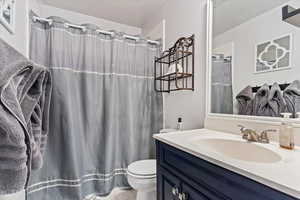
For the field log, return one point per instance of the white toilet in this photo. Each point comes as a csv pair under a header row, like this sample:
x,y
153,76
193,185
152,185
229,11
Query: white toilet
x,y
142,177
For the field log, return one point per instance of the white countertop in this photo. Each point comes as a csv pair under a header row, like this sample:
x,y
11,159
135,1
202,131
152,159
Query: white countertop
x,y
283,175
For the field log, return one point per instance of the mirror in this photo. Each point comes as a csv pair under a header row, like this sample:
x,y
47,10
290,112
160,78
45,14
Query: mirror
x,y
254,58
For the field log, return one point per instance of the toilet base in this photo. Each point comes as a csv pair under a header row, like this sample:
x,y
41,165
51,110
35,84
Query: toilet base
x,y
146,195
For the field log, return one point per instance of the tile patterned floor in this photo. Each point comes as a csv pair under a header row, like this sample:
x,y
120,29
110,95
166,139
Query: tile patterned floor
x,y
116,194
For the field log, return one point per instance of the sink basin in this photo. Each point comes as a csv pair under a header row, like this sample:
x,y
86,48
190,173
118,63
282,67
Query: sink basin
x,y
240,150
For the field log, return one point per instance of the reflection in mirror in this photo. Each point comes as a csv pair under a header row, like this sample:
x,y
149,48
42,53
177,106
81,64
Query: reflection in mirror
x,y
221,80
255,67
273,55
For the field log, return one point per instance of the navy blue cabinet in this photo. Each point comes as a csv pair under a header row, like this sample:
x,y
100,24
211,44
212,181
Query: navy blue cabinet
x,y
170,185
182,176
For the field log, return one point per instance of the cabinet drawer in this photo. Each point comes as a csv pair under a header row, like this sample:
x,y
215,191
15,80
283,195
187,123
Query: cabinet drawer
x,y
218,180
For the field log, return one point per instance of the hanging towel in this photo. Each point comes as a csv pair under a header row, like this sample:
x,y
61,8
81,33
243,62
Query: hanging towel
x,y
245,101
276,102
260,103
25,90
292,97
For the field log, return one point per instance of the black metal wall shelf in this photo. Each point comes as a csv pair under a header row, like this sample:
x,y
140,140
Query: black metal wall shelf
x,y
174,70
291,15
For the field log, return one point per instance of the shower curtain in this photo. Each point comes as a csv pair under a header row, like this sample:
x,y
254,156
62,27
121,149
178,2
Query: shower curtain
x,y
103,112
221,92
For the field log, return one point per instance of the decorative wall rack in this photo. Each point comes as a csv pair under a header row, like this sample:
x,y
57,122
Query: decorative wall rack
x,y
174,70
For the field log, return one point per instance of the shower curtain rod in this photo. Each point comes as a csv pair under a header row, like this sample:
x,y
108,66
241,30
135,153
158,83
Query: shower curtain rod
x,y
49,21
83,28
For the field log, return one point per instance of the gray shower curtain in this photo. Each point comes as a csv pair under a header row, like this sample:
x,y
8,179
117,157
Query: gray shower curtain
x,y
103,112
221,92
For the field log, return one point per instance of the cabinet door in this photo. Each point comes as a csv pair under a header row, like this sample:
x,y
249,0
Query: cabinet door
x,y
198,193
190,193
169,186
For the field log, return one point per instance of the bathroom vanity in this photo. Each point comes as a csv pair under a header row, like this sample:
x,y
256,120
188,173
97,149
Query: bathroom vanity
x,y
252,78
190,167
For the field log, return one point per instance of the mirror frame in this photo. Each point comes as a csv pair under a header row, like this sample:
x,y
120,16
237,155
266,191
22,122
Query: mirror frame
x,y
233,117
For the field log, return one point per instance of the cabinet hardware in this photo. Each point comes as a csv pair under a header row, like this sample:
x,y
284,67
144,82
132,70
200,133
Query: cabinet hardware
x,y
182,196
175,191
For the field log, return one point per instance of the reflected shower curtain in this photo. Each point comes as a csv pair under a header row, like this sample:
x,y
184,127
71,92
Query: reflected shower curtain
x,y
103,111
221,91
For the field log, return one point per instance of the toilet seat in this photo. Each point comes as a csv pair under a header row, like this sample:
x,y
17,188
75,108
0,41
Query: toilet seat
x,y
143,169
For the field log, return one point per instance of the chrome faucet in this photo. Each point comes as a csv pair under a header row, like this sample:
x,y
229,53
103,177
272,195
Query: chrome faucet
x,y
251,135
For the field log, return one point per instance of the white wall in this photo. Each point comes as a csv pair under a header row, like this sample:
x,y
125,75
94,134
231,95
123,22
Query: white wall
x,y
184,19
245,37
158,32
35,6
79,18
225,49
19,40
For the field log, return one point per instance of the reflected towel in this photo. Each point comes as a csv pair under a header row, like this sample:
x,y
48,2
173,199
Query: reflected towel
x,y
292,97
276,102
245,101
260,103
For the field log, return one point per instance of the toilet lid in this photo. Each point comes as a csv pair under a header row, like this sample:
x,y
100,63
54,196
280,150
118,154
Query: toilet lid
x,y
143,168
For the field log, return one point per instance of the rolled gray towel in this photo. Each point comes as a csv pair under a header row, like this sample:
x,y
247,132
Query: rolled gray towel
x,y
276,102
260,102
25,90
292,97
245,101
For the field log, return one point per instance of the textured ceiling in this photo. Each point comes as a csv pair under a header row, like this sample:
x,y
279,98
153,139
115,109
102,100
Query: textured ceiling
x,y
218,3
231,13
130,12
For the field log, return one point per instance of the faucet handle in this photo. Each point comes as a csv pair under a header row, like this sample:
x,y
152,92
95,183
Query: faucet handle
x,y
264,138
244,131
265,132
241,126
